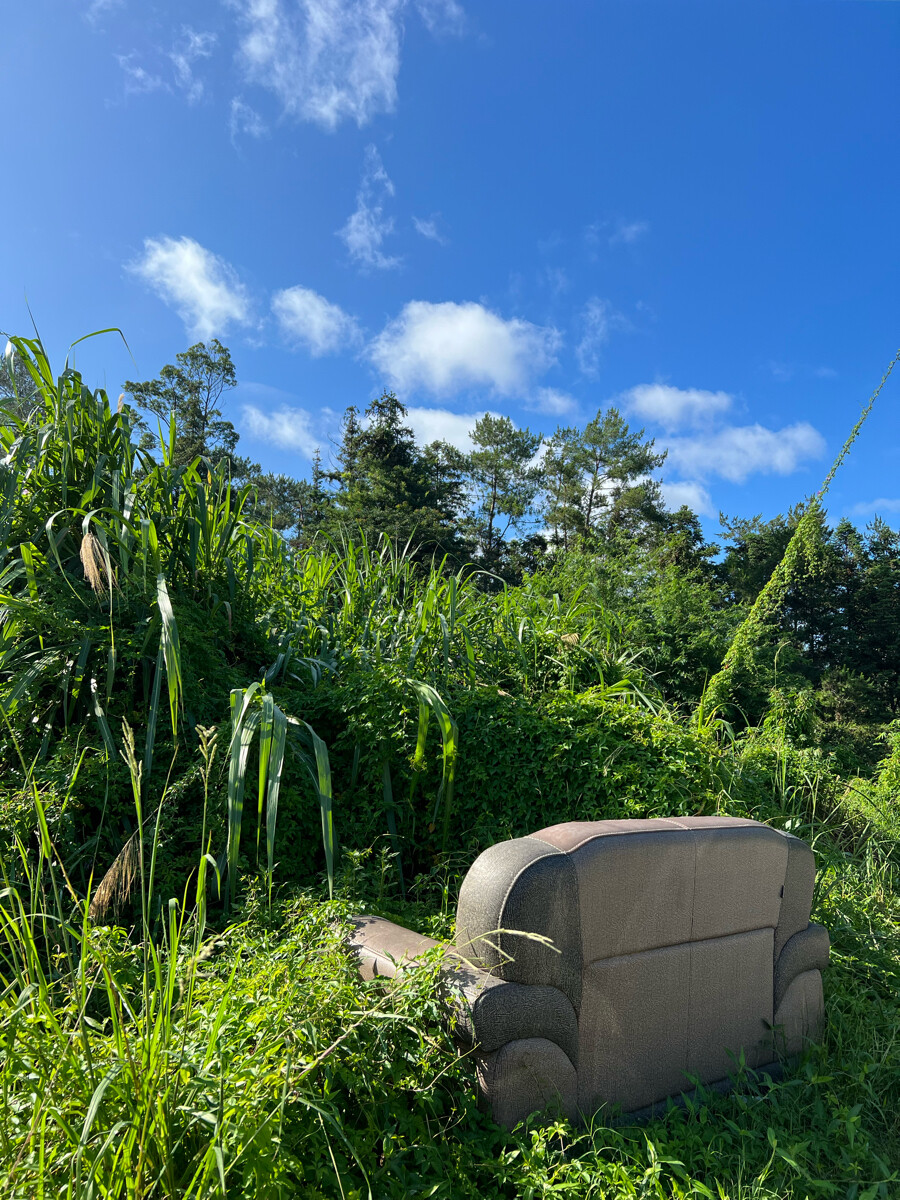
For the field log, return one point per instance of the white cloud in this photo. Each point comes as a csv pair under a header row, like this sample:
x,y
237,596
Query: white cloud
x,y
745,450
867,508
287,428
367,227
781,371
192,47
326,60
549,400
138,79
626,233
305,316
598,320
557,279
447,347
694,495
439,424
429,229
202,288
245,120
672,406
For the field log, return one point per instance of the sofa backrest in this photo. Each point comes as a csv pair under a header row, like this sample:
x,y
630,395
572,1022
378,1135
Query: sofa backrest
x,y
664,937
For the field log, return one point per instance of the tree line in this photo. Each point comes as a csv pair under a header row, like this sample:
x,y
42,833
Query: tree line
x,y
582,509
503,505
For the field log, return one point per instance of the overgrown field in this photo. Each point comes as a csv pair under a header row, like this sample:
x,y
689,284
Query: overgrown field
x,y
216,746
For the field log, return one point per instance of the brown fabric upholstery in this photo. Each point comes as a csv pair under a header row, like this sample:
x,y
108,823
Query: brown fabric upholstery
x,y
800,1015
528,1076
659,950
522,885
796,903
806,951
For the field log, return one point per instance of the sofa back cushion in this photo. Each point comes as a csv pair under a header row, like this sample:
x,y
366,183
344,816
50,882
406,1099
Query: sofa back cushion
x,y
647,884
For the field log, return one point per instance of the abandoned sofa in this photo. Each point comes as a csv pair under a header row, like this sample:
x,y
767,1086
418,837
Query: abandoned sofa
x,y
666,950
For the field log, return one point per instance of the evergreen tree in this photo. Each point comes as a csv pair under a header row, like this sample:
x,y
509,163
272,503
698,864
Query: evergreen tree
x,y
505,482
192,391
387,485
564,465
618,464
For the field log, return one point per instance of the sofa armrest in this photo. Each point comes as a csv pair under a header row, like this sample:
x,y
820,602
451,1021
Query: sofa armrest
x,y
805,951
383,947
489,1011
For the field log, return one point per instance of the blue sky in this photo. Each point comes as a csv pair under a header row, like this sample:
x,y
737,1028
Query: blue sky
x,y
686,209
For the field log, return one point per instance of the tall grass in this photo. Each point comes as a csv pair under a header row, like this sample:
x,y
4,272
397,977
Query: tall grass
x,y
98,536
130,1067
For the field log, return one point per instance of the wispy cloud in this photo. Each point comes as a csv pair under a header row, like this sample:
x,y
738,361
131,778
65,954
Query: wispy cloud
x,y
202,288
693,494
328,61
674,407
618,232
191,48
367,227
287,428
552,401
448,347
441,16
869,508
598,320
737,452
626,233
245,120
309,319
98,9
784,372
429,229
138,80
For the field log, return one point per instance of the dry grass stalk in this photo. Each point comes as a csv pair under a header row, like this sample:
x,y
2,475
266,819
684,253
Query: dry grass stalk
x,y
94,560
115,886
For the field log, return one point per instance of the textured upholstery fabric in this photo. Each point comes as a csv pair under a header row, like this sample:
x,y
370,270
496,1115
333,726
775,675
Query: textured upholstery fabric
x,y
644,884
491,1012
631,1005
525,1077
731,1004
799,1016
805,951
381,946
799,880
678,947
528,886
650,1020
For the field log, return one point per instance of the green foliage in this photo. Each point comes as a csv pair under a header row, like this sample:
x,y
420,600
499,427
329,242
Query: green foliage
x,y
798,558
416,710
105,554
504,480
188,395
